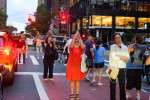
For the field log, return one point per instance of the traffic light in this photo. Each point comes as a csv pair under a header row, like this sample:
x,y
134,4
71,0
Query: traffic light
x,y
83,35
29,18
63,17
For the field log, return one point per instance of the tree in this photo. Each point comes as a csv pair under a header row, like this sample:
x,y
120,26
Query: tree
x,y
3,19
42,22
128,36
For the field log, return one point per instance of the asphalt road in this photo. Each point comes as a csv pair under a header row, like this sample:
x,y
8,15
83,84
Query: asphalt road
x,y
29,85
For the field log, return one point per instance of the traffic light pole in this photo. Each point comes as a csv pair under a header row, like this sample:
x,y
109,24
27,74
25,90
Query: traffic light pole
x,y
87,20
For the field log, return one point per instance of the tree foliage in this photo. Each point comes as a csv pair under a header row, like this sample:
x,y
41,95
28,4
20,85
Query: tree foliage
x,y
128,36
42,22
3,19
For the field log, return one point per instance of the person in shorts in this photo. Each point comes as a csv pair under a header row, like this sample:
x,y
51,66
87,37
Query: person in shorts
x,y
98,53
88,52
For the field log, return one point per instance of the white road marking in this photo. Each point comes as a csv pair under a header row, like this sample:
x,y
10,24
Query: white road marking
x,y
40,73
40,88
106,61
35,62
38,82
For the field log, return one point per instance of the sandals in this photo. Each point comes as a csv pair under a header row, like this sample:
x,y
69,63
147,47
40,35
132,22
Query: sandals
x,y
71,97
77,97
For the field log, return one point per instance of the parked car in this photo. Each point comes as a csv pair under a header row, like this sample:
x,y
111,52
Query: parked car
x,y
8,55
29,39
58,41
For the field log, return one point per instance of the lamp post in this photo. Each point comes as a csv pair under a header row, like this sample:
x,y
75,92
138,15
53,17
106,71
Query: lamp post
x,y
88,6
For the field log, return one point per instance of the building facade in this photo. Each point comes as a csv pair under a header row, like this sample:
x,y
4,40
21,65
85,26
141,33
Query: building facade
x,y
56,7
3,5
109,16
41,2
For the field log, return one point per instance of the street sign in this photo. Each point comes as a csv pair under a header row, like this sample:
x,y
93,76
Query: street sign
x,y
63,22
97,33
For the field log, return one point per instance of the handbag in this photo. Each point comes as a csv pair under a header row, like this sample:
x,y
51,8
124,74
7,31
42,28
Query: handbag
x,y
112,73
83,62
55,54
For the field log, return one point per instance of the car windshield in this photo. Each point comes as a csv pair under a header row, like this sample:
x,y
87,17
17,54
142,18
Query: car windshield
x,y
59,38
1,42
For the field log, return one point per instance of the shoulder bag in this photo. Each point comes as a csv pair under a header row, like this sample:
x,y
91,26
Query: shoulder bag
x,y
83,62
112,72
55,54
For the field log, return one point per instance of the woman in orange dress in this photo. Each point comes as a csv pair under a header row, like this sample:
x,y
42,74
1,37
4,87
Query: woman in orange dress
x,y
73,69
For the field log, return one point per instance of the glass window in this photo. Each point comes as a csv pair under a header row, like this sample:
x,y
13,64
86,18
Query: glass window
x,y
142,21
84,22
103,21
125,22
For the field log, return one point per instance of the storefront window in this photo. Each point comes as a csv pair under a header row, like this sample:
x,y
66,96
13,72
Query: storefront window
x,y
142,21
102,21
84,22
125,22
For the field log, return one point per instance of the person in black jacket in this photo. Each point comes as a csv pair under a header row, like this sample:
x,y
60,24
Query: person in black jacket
x,y
48,61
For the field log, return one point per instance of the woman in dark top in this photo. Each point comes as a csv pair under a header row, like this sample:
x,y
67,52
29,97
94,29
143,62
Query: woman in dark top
x,y
48,61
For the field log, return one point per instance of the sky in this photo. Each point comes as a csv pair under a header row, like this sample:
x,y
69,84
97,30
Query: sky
x,y
18,12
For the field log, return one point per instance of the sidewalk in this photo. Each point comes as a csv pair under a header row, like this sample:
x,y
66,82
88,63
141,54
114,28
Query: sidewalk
x,y
59,90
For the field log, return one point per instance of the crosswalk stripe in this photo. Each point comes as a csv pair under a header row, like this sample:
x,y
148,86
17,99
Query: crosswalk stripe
x,y
40,88
35,62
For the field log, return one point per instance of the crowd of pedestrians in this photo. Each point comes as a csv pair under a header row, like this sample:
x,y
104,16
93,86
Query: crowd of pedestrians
x,y
120,57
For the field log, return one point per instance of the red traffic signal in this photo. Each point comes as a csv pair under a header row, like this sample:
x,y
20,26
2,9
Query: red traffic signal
x,y
63,17
83,35
29,18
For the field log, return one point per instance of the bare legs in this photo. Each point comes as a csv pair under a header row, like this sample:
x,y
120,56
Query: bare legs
x,y
72,86
95,74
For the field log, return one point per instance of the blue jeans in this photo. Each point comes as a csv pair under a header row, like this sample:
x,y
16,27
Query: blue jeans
x,y
39,49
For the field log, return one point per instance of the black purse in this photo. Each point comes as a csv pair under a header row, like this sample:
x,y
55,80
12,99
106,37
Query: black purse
x,y
55,54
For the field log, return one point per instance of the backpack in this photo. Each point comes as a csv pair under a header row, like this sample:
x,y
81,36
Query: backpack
x,y
138,56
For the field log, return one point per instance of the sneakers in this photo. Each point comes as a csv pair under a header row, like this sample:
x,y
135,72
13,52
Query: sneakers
x,y
92,83
128,96
87,78
45,79
138,97
50,79
42,57
100,84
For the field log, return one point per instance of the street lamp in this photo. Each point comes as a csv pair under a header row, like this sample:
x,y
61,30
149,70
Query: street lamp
x,y
87,5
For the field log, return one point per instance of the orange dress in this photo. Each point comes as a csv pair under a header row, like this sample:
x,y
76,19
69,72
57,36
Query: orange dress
x,y
73,69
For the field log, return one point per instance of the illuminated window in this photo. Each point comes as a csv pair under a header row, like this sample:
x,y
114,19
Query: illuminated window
x,y
84,22
142,21
103,21
125,22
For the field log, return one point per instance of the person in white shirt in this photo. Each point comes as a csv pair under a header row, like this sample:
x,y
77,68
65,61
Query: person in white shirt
x,y
117,58
68,44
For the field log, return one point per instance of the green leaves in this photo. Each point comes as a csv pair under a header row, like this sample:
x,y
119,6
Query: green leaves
x,y
3,19
42,22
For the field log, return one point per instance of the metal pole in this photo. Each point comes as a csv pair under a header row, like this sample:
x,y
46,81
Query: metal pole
x,y
87,20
